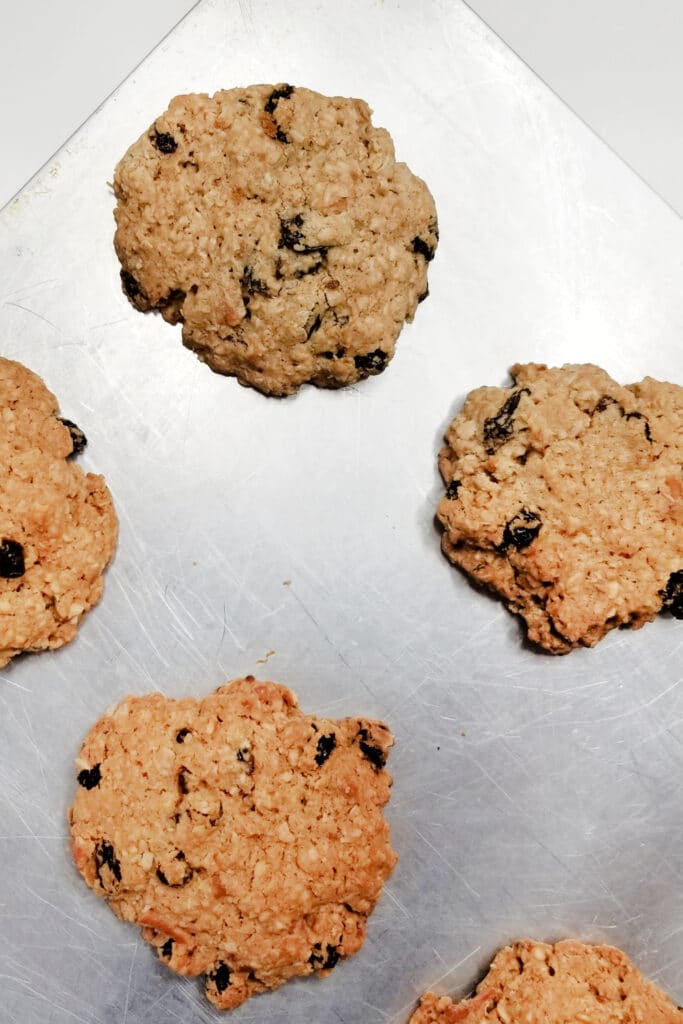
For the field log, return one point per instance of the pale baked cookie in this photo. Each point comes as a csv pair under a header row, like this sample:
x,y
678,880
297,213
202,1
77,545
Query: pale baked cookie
x,y
276,224
566,983
57,523
564,493
245,838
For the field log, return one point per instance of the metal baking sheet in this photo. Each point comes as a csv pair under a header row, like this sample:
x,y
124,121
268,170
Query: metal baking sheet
x,y
295,539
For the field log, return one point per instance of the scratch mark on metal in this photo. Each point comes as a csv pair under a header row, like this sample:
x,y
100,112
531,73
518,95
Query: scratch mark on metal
x,y
451,867
404,910
63,913
130,980
140,622
32,312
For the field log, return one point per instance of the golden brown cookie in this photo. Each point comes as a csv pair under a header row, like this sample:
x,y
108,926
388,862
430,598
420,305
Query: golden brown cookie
x,y
276,224
57,524
565,983
564,494
245,838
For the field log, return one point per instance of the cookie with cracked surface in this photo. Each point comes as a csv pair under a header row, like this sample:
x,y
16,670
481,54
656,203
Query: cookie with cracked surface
x,y
535,983
57,524
245,838
276,224
564,494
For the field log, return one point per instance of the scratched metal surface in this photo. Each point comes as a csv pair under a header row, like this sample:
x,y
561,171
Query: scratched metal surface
x,y
532,795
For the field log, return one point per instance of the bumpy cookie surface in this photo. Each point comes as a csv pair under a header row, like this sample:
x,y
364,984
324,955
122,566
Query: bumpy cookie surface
x,y
566,983
57,524
565,495
245,838
277,226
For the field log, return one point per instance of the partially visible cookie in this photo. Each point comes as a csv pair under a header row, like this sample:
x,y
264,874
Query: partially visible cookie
x,y
564,494
57,524
245,838
565,983
276,224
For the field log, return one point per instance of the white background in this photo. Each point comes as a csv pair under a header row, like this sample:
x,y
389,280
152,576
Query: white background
x,y
58,62
616,62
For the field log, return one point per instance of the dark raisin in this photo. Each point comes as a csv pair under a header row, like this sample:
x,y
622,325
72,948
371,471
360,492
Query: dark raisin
x,y
422,248
164,142
252,285
90,777
498,428
180,736
130,285
341,352
453,488
673,595
646,426
320,961
171,305
424,295
245,755
326,355
292,237
283,92
326,745
78,438
280,135
182,780
187,876
312,325
375,755
371,362
220,977
333,958
11,559
604,403
312,269
167,949
105,857
607,400
521,530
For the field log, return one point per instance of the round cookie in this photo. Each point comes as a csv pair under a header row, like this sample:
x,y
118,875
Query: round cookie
x,y
276,224
245,838
534,983
57,524
564,494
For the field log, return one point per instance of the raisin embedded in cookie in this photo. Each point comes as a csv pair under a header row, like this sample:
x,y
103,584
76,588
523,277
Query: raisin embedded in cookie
x,y
57,523
534,983
245,838
564,494
276,224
